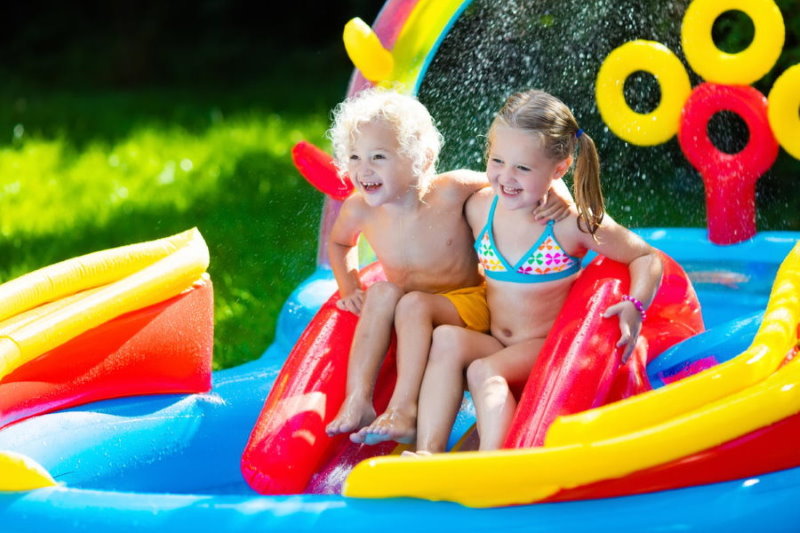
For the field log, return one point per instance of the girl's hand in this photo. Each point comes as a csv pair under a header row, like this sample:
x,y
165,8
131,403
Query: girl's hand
x,y
630,324
352,302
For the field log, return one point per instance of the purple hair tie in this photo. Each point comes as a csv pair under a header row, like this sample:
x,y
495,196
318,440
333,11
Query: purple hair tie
x,y
578,133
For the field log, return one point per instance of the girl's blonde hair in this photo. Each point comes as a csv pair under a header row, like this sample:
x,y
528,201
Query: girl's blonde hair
x,y
417,135
545,116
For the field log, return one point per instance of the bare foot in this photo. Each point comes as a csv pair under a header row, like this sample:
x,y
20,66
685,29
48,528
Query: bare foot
x,y
418,453
354,414
393,424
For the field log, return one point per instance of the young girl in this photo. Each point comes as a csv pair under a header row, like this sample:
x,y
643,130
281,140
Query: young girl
x,y
529,268
413,218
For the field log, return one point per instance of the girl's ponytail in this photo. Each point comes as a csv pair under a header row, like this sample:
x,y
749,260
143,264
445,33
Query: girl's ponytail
x,y
586,186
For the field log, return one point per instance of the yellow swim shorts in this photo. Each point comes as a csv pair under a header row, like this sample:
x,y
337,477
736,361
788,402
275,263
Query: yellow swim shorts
x,y
471,305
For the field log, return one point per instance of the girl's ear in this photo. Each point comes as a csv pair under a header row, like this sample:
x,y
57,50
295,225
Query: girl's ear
x,y
562,167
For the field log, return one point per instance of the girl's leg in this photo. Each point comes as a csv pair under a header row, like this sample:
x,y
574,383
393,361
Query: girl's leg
x,y
488,380
370,342
452,350
416,315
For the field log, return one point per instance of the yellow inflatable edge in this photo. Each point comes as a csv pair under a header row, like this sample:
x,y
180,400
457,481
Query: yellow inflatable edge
x,y
21,473
509,477
84,272
166,268
774,338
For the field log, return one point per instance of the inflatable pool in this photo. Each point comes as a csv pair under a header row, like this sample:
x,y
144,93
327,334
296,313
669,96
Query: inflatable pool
x,y
87,446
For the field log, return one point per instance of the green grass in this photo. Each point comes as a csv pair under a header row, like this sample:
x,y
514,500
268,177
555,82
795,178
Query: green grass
x,y
84,170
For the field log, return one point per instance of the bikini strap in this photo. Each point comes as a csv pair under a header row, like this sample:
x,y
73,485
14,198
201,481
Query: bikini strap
x,y
491,209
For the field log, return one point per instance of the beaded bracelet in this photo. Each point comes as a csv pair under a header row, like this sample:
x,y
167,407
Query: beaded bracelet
x,y
637,304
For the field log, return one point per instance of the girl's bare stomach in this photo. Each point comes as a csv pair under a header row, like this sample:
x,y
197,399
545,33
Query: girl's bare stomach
x,y
521,312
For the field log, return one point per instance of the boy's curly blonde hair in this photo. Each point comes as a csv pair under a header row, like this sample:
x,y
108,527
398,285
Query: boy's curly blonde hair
x,y
418,137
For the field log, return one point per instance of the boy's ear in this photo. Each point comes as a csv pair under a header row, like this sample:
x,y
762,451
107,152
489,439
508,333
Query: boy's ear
x,y
428,159
562,168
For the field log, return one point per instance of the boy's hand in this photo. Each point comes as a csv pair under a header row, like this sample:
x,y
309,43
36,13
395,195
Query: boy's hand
x,y
352,302
630,324
556,205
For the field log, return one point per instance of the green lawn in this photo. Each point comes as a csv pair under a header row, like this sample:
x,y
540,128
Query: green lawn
x,y
88,169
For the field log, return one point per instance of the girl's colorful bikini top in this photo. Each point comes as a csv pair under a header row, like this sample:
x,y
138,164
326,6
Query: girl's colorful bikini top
x,y
545,261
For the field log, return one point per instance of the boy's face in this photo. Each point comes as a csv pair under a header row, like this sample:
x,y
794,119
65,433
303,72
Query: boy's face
x,y
376,166
519,170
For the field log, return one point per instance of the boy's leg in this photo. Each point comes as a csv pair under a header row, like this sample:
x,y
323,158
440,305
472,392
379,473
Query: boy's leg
x,y
489,379
452,351
416,315
370,342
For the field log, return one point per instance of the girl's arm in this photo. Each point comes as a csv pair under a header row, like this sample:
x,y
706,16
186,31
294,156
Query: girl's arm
x,y
343,256
620,244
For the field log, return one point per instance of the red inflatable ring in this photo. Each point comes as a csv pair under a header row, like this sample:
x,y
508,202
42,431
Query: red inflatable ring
x,y
729,178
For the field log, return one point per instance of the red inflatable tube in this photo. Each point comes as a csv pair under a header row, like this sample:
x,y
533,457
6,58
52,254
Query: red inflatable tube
x,y
729,178
288,444
164,348
579,367
765,450
318,168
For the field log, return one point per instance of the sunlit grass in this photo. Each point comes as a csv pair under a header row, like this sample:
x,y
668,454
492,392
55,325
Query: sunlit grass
x,y
64,195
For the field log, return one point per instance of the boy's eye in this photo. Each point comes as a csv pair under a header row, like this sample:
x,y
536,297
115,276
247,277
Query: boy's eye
x,y
523,168
353,157
379,156
496,161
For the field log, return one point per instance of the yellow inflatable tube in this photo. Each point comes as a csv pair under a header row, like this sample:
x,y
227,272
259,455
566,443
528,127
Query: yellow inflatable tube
x,y
366,51
775,337
508,477
129,278
20,473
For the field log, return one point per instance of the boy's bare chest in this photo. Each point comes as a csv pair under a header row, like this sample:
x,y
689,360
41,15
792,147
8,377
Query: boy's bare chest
x,y
421,240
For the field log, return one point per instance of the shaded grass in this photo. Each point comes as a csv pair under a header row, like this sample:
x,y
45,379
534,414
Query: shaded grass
x,y
69,188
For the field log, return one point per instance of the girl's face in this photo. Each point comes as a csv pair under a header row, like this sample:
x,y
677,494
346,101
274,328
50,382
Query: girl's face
x,y
518,168
376,166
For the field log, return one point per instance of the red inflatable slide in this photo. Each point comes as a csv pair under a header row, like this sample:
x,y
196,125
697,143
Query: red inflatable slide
x,y
289,453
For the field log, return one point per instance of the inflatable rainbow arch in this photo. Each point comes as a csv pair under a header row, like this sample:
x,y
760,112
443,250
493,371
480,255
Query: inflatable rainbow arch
x,y
111,419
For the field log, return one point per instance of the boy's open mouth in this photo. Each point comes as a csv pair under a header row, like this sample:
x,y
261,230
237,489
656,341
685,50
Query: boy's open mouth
x,y
510,191
371,186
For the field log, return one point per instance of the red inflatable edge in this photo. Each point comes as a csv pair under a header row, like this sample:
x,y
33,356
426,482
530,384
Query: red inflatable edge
x,y
163,348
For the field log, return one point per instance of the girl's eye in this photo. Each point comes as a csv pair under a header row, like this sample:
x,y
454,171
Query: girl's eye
x,y
523,168
353,157
496,161
379,156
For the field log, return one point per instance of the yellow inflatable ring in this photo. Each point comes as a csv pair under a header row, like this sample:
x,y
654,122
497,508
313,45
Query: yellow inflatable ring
x,y
782,110
645,129
742,68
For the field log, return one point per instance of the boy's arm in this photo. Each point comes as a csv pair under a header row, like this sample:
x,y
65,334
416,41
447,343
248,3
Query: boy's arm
x,y
343,257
